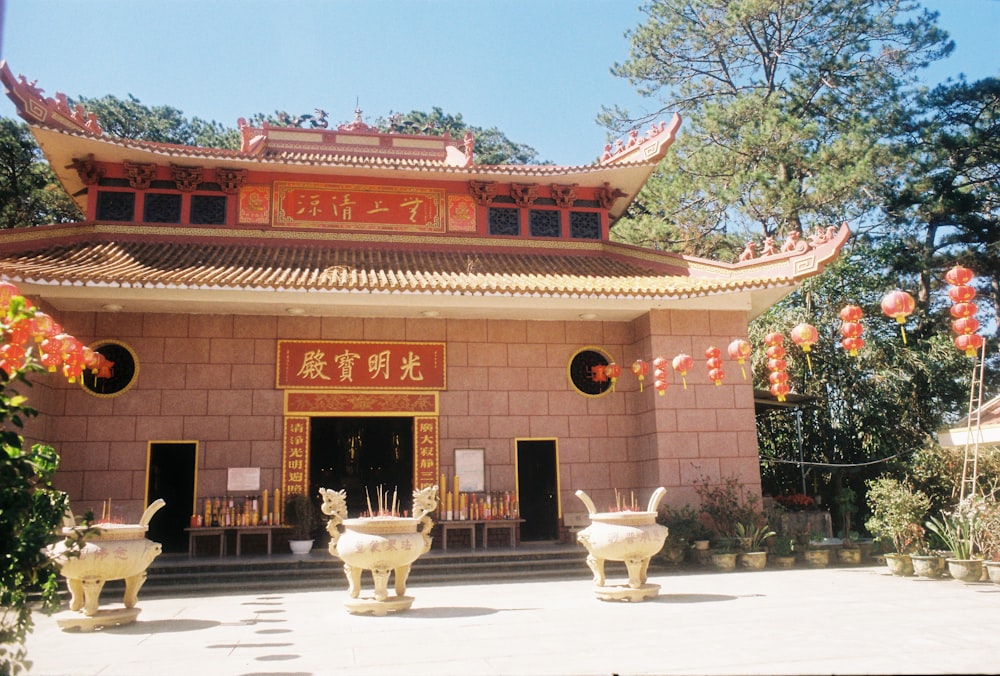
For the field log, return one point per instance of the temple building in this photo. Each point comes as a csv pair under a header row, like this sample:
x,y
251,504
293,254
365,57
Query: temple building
x,y
342,307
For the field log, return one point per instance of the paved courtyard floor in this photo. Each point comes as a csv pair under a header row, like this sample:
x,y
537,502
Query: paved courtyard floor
x,y
802,621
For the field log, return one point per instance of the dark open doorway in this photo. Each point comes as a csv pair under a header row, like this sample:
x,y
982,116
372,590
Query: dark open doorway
x,y
171,477
537,488
362,453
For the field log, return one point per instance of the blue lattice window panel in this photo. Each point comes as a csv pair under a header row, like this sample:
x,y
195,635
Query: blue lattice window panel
x,y
584,225
115,206
208,210
162,208
505,221
544,223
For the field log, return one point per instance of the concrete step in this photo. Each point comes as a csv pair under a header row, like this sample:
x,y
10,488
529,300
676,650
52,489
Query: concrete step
x,y
178,575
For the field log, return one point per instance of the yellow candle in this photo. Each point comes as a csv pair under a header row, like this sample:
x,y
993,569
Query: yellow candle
x,y
277,506
263,505
457,491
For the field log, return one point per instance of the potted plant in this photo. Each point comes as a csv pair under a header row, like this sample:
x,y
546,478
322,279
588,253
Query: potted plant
x,y
752,539
781,551
815,555
683,529
849,551
300,514
724,553
989,520
896,512
958,531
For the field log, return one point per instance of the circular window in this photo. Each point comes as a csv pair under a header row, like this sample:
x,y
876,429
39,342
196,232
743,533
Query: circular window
x,y
118,377
582,375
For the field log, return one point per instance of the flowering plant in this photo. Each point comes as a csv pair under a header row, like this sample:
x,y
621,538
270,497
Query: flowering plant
x,y
797,502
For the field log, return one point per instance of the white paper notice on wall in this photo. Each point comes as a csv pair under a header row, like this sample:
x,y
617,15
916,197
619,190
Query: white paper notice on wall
x,y
243,479
470,470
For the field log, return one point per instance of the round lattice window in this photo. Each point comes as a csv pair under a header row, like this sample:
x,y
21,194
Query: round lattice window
x,y
116,379
582,374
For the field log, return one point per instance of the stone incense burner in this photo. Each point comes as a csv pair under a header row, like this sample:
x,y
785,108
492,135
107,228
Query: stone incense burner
x,y
115,551
381,544
628,536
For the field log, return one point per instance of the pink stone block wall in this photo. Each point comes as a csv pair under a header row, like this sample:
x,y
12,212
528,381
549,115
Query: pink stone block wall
x,y
211,379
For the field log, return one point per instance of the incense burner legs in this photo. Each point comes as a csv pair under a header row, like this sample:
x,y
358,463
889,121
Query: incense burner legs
x,y
385,545
630,537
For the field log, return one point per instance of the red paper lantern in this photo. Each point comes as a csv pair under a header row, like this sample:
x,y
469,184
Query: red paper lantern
x,y
805,336
661,364
963,310
777,377
852,344
775,352
959,276
776,364
682,363
599,373
713,362
965,325
780,390
774,338
899,305
961,294
639,370
969,343
613,371
661,386
851,313
740,350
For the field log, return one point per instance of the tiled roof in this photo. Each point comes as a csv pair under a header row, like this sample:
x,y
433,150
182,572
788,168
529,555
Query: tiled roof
x,y
363,269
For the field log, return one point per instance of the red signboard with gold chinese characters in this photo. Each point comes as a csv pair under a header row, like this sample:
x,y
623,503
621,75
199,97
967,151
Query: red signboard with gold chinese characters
x,y
366,207
308,364
425,449
295,457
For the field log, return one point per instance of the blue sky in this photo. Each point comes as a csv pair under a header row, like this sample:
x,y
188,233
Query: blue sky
x,y
536,69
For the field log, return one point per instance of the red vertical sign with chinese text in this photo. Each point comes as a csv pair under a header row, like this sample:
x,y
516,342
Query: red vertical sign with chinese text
x,y
295,458
425,469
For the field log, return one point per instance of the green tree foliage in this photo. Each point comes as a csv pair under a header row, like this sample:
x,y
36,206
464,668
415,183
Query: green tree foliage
x,y
492,146
784,105
945,209
29,192
30,508
868,414
131,119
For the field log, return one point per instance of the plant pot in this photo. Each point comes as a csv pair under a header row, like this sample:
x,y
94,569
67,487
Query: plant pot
x,y
965,570
782,561
753,560
931,566
899,564
701,545
300,547
992,571
816,558
849,555
724,560
673,553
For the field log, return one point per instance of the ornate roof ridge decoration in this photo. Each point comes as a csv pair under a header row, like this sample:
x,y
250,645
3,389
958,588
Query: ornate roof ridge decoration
x,y
140,174
87,169
483,192
564,195
524,194
187,178
230,180
34,108
642,149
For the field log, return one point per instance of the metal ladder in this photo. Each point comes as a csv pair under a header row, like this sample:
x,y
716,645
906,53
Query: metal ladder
x,y
974,432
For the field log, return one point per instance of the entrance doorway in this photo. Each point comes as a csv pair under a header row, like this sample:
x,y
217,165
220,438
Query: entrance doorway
x,y
171,477
359,454
538,488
